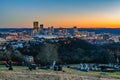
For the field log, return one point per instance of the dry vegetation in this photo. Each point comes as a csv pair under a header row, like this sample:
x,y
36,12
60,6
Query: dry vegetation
x,y
22,73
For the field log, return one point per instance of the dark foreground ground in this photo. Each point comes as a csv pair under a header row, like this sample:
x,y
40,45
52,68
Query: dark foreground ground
x,y
22,73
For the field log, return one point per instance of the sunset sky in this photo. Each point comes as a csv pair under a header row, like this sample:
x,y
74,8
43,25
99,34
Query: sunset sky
x,y
60,13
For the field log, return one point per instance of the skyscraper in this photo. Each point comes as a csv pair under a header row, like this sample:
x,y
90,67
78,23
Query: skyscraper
x,y
41,26
52,29
76,32
35,27
75,29
41,29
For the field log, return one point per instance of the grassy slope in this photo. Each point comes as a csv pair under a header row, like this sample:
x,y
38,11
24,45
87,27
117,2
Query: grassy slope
x,y
22,73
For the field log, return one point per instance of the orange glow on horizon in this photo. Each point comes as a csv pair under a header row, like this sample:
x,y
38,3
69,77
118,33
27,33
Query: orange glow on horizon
x,y
69,22
83,25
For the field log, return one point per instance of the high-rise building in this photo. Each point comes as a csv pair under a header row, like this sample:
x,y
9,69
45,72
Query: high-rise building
x,y
75,29
41,29
76,32
48,30
52,29
41,26
35,27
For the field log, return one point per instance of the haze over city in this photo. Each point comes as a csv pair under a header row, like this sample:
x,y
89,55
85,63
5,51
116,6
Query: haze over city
x,y
60,13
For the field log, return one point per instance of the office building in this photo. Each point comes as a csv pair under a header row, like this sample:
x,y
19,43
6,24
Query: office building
x,y
35,27
41,29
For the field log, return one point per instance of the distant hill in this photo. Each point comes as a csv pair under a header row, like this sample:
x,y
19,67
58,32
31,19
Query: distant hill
x,y
102,30
96,30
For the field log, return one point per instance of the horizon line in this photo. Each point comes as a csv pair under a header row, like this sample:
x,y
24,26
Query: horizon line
x,y
64,27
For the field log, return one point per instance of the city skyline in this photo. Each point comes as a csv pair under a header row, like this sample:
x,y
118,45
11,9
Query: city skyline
x,y
60,13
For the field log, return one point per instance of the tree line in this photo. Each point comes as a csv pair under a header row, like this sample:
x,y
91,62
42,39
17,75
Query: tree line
x,y
69,51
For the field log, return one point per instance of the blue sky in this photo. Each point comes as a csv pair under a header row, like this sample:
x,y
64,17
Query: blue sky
x,y
21,13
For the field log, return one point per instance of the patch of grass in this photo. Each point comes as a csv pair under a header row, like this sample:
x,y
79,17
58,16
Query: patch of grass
x,y
114,74
23,73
